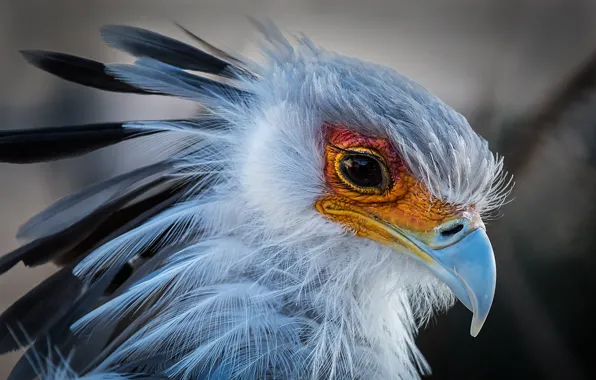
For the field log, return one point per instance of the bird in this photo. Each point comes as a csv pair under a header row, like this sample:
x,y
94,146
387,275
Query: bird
x,y
313,214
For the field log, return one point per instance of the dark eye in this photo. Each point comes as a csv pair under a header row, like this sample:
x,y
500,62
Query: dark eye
x,y
363,170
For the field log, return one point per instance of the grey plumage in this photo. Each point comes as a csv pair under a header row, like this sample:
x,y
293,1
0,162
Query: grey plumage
x,y
60,214
78,70
21,323
145,43
49,247
216,264
46,144
161,78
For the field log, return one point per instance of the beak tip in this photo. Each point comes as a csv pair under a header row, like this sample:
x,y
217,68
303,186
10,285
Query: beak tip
x,y
476,326
474,331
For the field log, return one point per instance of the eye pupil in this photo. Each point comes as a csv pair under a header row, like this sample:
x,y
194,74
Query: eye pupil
x,y
362,170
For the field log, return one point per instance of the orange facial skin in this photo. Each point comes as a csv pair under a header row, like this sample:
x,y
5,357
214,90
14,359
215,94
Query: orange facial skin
x,y
404,202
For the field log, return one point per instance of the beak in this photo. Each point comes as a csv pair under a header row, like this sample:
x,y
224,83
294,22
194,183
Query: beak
x,y
457,252
463,260
468,268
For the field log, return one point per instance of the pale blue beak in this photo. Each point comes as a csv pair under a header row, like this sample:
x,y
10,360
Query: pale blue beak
x,y
468,268
458,252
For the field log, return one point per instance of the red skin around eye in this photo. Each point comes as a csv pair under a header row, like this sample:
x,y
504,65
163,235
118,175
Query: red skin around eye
x,y
406,202
344,138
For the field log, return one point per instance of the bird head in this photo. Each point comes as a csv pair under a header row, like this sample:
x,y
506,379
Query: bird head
x,y
355,153
373,194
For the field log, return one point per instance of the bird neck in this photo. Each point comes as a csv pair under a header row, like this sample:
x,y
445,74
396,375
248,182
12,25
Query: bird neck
x,y
347,288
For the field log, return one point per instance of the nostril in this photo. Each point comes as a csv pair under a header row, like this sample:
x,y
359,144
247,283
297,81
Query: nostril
x,y
453,230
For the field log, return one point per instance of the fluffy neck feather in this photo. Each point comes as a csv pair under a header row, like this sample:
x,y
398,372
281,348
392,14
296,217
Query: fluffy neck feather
x,y
311,302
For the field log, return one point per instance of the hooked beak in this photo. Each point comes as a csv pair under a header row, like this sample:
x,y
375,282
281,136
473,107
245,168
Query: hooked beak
x,y
468,268
457,252
465,263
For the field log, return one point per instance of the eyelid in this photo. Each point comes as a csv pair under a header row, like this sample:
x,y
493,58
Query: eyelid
x,y
369,152
362,150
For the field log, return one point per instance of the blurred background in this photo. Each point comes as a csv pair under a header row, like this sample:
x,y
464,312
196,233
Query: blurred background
x,y
523,72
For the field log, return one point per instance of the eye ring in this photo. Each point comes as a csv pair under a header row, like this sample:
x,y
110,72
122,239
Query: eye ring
x,y
363,170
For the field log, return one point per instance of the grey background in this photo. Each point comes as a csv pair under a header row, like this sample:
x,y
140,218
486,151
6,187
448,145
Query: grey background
x,y
496,61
